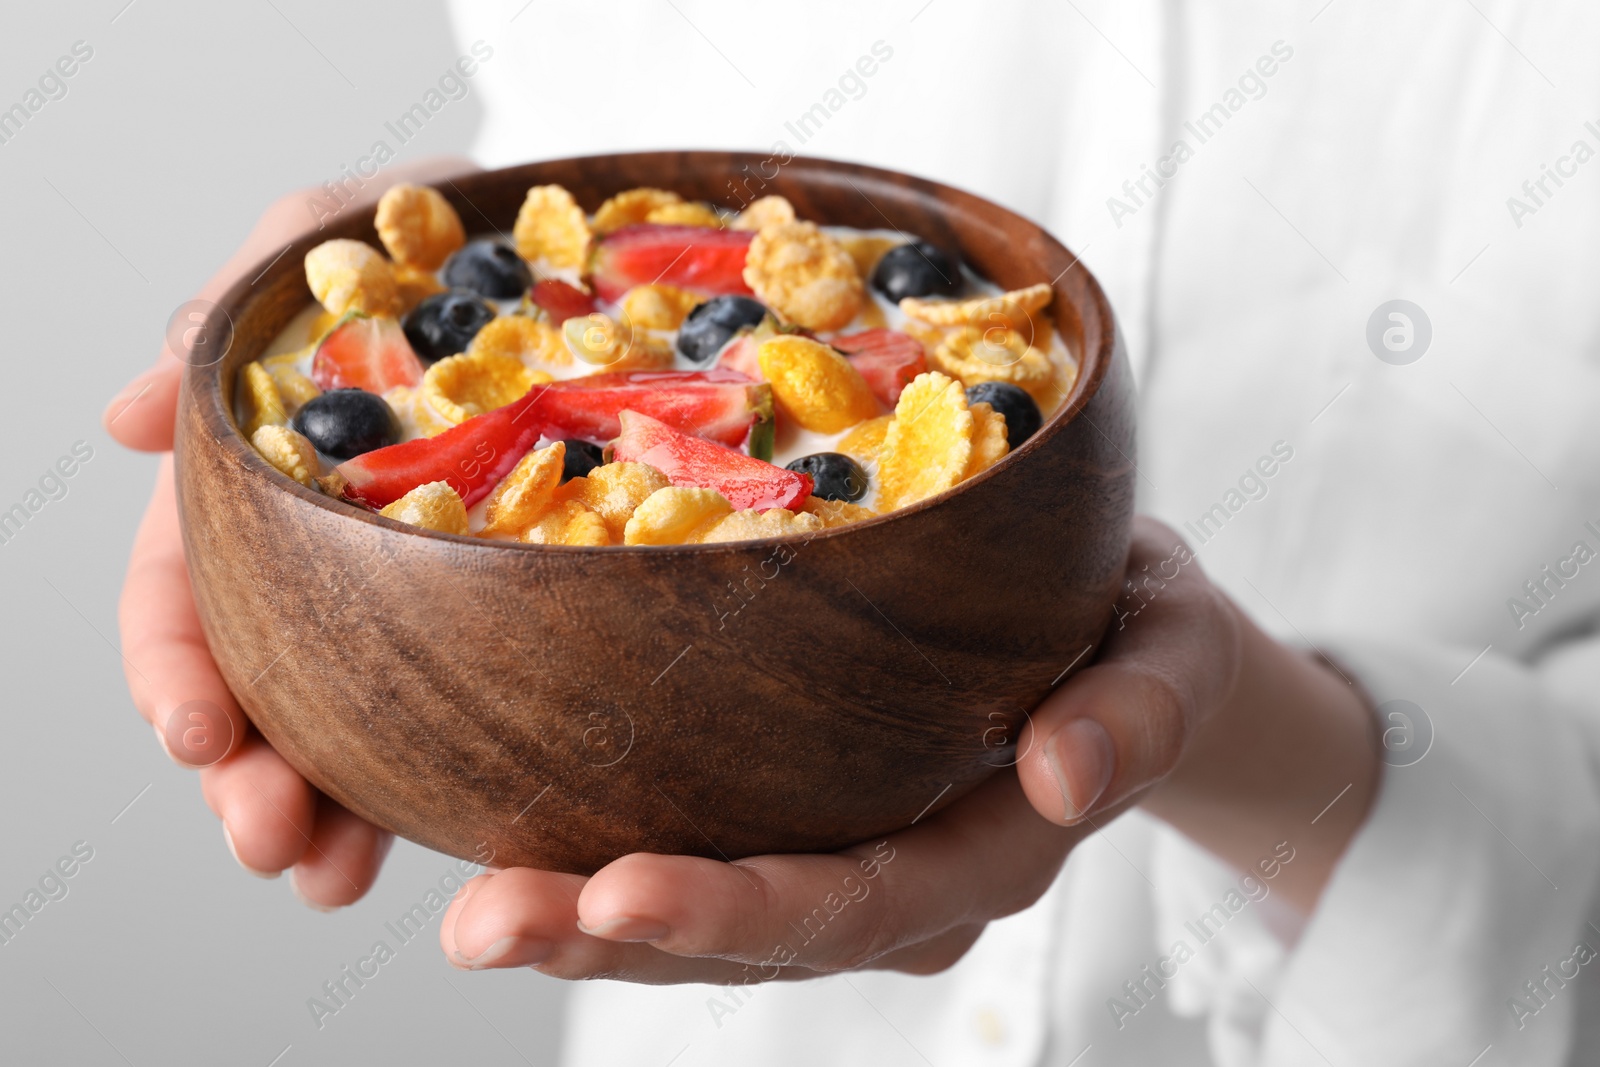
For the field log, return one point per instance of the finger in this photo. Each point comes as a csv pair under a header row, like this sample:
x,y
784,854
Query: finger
x,y
934,955
268,811
1120,725
170,672
142,414
341,860
985,856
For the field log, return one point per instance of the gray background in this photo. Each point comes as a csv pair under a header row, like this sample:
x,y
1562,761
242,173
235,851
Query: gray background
x,y
118,201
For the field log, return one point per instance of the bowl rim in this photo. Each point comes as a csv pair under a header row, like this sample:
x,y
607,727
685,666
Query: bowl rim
x,y
203,382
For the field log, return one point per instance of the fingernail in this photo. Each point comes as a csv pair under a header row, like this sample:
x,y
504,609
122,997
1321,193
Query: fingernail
x,y
227,835
507,952
294,884
1081,757
627,928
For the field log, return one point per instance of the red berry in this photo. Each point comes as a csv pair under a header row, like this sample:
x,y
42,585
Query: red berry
x,y
694,462
365,353
716,404
690,257
561,301
887,359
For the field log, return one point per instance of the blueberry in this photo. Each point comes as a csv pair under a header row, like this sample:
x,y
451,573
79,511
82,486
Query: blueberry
x,y
489,267
445,323
1012,404
582,457
345,423
837,476
712,324
916,269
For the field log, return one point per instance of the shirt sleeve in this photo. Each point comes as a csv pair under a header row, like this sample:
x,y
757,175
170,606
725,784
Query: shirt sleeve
x,y
1462,909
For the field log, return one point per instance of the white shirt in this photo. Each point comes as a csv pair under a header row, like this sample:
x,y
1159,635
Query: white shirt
x,y
1377,162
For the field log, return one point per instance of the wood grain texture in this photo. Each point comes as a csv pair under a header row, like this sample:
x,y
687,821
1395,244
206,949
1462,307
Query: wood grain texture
x,y
558,707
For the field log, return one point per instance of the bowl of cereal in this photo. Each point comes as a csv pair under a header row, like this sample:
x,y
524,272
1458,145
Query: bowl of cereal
x,y
687,502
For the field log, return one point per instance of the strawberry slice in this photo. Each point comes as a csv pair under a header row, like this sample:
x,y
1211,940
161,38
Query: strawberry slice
x,y
472,457
740,356
887,359
365,353
690,257
561,301
716,404
695,462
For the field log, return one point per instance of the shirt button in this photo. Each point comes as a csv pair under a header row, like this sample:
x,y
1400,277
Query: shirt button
x,y
990,1026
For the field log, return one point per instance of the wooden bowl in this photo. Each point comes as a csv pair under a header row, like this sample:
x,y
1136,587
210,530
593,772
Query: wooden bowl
x,y
558,707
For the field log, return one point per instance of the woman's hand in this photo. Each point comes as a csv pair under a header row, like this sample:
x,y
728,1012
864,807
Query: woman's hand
x,y
272,819
1181,676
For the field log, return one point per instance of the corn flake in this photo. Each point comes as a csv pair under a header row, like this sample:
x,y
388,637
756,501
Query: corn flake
x,y
460,387
817,386
567,522
836,512
929,443
865,441
761,525
527,340
415,285
764,212
630,207
347,275
434,506
686,214
295,388
659,307
258,401
972,355
804,275
612,346
866,249
675,516
288,451
614,490
552,227
525,493
989,439
418,226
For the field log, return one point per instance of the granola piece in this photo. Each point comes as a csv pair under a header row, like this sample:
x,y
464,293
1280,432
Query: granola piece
x,y
257,400
989,438
552,227
567,522
418,226
815,385
762,525
460,387
614,490
675,516
763,212
531,341
525,493
929,443
659,307
686,213
434,506
836,512
288,451
347,275
805,276
630,207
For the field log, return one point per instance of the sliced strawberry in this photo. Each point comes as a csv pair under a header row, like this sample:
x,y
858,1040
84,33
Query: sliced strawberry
x,y
887,359
365,353
561,301
717,404
472,457
690,257
697,463
740,356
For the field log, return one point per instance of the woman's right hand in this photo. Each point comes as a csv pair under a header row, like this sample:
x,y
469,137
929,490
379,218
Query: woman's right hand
x,y
272,819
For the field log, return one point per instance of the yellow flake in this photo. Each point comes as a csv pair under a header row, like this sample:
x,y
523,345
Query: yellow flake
x,y
870,317
762,525
415,285
632,206
551,227
530,341
815,385
567,522
418,226
805,276
836,512
614,490
764,212
462,386
348,275
295,388
320,326
609,345
258,403
685,214
659,307
288,451
415,413
989,439
972,355
524,493
434,506
866,249
865,442
1013,310
929,443
675,516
